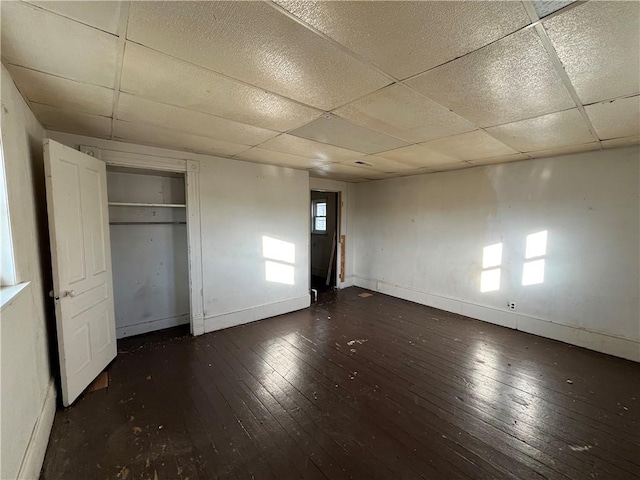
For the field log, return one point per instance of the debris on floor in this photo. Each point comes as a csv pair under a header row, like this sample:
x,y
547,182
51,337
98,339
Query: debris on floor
x,y
101,381
365,295
359,341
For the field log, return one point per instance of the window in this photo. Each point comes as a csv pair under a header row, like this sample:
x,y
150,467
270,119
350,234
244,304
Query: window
x,y
319,216
7,265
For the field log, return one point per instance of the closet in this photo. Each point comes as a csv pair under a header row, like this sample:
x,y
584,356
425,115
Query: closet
x,y
147,217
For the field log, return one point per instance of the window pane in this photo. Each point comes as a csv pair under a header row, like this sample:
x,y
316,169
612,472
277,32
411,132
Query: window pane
x,y
321,224
321,209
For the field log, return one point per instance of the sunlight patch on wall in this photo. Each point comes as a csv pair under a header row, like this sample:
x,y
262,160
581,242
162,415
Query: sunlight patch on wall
x,y
278,250
279,272
536,245
533,272
536,249
490,277
281,256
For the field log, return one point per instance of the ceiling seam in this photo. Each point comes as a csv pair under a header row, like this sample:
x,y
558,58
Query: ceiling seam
x,y
237,80
81,82
38,7
557,63
395,81
335,43
122,40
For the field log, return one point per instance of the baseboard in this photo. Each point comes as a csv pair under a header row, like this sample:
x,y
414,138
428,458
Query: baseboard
x,y
152,326
37,446
599,342
259,312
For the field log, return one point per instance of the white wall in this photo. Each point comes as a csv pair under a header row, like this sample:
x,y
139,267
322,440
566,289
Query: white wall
x,y
28,398
240,203
422,238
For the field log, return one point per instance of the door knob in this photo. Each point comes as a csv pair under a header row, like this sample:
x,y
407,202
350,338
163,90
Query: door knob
x,y
70,293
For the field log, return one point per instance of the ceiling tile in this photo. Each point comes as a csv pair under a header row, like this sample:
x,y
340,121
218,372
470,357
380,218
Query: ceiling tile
x,y
336,176
160,77
509,80
271,157
162,137
618,118
501,159
599,46
556,152
348,170
72,122
470,146
43,88
380,164
102,15
406,38
446,167
555,130
308,148
57,45
399,111
621,142
419,156
139,110
342,133
253,42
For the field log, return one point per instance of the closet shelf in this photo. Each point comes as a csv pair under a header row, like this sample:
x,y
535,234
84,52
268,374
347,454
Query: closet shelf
x,y
129,204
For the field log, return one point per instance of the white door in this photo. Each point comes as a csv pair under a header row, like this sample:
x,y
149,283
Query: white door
x,y
81,259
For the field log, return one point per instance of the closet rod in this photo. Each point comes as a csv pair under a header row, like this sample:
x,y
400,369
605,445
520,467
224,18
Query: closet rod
x,y
147,223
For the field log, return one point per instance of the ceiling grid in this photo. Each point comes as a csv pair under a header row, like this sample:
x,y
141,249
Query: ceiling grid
x,y
345,90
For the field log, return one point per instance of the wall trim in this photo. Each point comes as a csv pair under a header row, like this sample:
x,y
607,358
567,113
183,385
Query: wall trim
x,y
259,312
599,342
191,169
151,326
37,446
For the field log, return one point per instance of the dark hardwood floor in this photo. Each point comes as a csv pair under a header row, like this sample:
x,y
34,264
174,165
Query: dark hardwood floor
x,y
363,388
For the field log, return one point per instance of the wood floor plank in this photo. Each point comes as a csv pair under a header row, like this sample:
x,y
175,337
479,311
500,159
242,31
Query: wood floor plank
x,y
354,388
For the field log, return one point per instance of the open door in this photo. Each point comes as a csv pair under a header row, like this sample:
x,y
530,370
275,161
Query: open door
x,y
81,259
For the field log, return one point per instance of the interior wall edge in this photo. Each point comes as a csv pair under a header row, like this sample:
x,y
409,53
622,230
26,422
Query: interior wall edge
x,y
599,342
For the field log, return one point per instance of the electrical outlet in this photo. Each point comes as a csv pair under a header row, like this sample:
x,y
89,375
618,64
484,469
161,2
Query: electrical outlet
x,y
511,305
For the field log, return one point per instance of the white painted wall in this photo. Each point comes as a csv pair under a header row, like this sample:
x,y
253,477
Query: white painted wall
x,y
240,203
150,262
422,238
28,398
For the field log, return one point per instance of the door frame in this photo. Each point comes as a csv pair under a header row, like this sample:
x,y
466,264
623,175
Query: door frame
x,y
343,280
191,170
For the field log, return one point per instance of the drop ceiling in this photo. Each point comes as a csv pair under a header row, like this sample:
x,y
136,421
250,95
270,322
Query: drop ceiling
x,y
352,91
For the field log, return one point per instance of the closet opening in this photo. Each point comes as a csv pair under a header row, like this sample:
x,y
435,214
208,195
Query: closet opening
x,y
149,250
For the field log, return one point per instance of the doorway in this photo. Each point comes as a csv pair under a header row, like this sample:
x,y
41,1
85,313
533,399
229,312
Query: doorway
x,y
324,240
149,249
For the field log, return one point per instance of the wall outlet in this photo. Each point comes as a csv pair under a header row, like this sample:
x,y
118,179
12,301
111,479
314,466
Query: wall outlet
x,y
511,305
